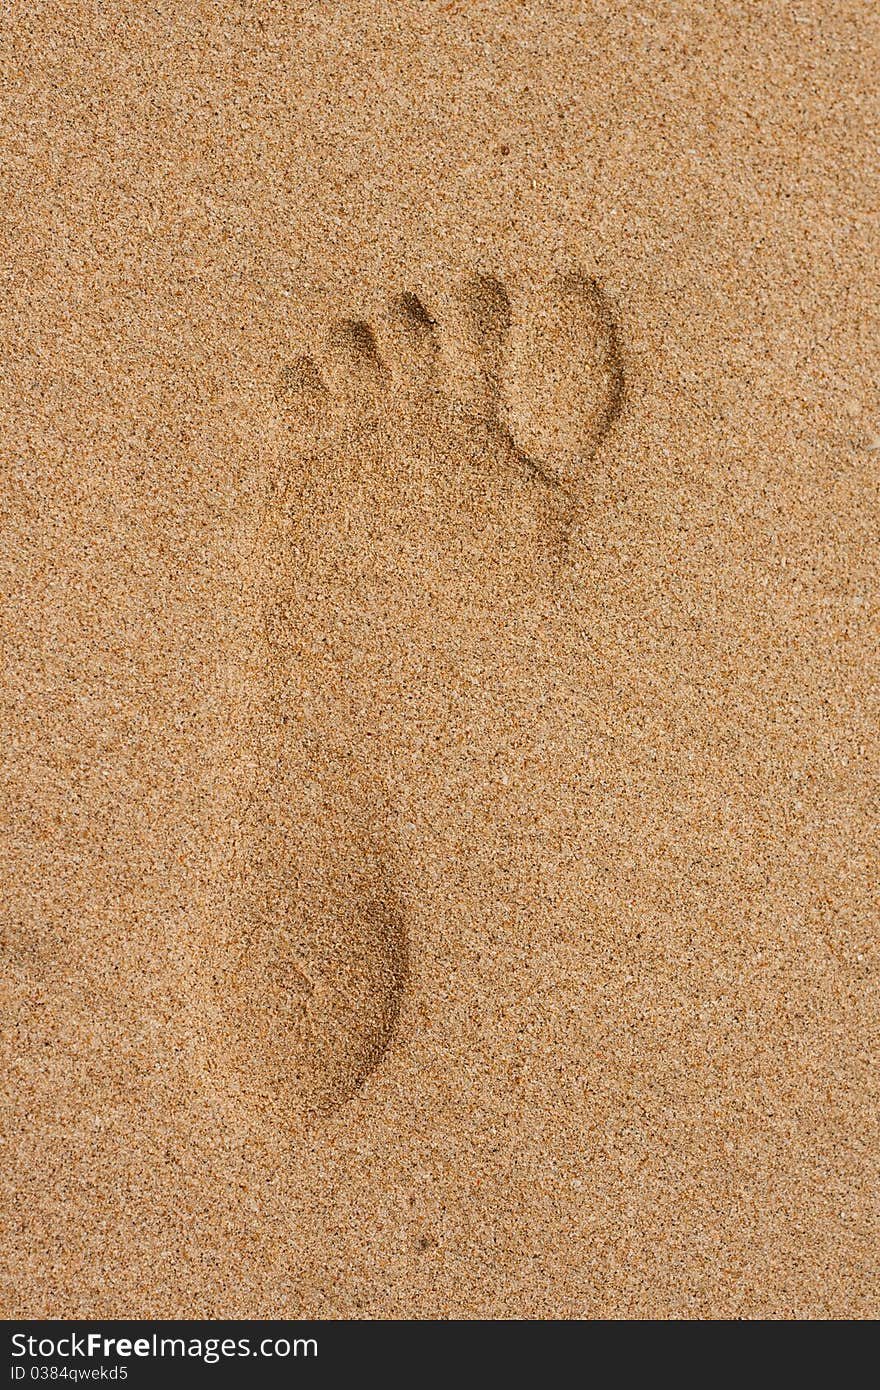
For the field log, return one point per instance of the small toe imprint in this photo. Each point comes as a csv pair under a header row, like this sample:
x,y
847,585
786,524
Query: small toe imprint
x,y
409,342
477,331
352,362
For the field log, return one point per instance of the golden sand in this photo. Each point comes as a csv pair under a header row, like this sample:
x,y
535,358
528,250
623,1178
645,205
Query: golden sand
x,y
440,516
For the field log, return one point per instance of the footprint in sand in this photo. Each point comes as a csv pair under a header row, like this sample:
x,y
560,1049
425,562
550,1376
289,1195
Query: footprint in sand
x,y
473,427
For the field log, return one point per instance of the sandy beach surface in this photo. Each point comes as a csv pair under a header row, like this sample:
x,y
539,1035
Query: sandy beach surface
x,y
440,697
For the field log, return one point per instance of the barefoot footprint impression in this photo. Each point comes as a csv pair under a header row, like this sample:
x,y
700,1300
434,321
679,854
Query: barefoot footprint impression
x,y
473,432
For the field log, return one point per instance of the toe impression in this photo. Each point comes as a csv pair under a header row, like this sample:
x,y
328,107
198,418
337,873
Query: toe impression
x,y
563,377
408,341
352,364
477,331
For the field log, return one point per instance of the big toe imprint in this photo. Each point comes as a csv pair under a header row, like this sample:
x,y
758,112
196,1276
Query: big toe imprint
x,y
563,376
